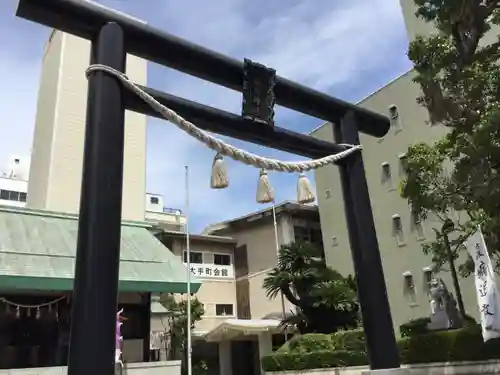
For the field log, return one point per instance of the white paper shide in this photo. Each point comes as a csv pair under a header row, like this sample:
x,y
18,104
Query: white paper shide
x,y
486,290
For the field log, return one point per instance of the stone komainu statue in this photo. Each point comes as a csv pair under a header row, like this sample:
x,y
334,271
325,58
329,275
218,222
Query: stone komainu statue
x,y
442,301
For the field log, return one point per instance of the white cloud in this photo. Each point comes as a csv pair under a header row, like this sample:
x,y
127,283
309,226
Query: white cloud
x,y
324,44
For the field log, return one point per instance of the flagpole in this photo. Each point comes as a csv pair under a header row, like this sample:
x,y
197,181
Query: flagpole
x,y
277,243
188,274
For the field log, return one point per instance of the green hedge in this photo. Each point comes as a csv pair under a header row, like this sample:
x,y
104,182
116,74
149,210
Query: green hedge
x,y
418,326
414,327
310,342
318,359
315,350
465,344
350,340
348,349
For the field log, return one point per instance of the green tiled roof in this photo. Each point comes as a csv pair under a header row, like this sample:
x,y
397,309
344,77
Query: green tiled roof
x,y
38,248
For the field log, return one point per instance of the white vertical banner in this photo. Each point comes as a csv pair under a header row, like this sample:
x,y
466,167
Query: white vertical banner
x,y
488,298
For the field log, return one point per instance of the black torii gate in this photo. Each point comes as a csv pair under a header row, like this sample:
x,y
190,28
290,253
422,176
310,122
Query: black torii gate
x,y
113,35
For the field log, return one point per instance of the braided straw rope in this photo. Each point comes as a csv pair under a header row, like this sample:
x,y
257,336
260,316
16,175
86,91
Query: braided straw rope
x,y
217,144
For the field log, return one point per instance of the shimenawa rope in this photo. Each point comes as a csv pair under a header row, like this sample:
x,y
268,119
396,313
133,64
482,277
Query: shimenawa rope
x,y
219,179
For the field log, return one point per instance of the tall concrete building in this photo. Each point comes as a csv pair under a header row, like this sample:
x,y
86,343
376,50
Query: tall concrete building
x,y
57,155
400,234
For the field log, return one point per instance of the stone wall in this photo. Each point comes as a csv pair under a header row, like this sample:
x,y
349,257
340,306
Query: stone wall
x,y
451,368
144,368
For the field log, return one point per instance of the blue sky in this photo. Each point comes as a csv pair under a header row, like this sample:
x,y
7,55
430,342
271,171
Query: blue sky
x,y
347,48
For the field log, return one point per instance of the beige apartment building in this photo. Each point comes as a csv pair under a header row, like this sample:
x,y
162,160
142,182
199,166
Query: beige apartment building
x,y
212,261
400,234
256,251
232,259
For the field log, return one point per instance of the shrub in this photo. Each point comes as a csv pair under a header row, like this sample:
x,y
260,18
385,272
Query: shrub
x,y
465,344
350,340
311,360
308,343
469,321
414,327
418,326
347,348
316,350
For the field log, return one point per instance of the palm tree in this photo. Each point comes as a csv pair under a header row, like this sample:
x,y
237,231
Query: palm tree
x,y
325,300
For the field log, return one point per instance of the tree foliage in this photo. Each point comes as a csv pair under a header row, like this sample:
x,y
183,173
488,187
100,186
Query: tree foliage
x,y
457,69
176,324
326,300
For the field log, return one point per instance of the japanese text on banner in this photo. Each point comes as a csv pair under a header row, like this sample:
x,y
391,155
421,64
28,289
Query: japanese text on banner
x,y
486,290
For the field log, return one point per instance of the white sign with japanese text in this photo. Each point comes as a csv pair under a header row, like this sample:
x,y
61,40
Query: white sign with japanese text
x,y
488,298
212,271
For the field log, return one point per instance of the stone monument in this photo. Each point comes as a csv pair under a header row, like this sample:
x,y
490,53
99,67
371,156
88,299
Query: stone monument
x,y
444,311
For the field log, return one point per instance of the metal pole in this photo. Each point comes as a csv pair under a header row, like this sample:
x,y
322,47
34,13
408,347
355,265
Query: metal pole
x,y
93,316
188,261
380,339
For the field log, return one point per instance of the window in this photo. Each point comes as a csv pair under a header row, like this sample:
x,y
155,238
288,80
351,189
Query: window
x,y
4,194
301,234
335,242
328,194
428,277
222,259
409,289
395,118
393,112
310,235
10,195
403,164
195,257
224,309
397,229
387,176
154,200
417,226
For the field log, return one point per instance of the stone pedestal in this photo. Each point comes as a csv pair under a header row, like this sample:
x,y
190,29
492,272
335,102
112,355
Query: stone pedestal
x,y
265,347
439,321
225,359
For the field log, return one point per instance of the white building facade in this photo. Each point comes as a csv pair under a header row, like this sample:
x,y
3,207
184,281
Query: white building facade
x,y
14,181
401,235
